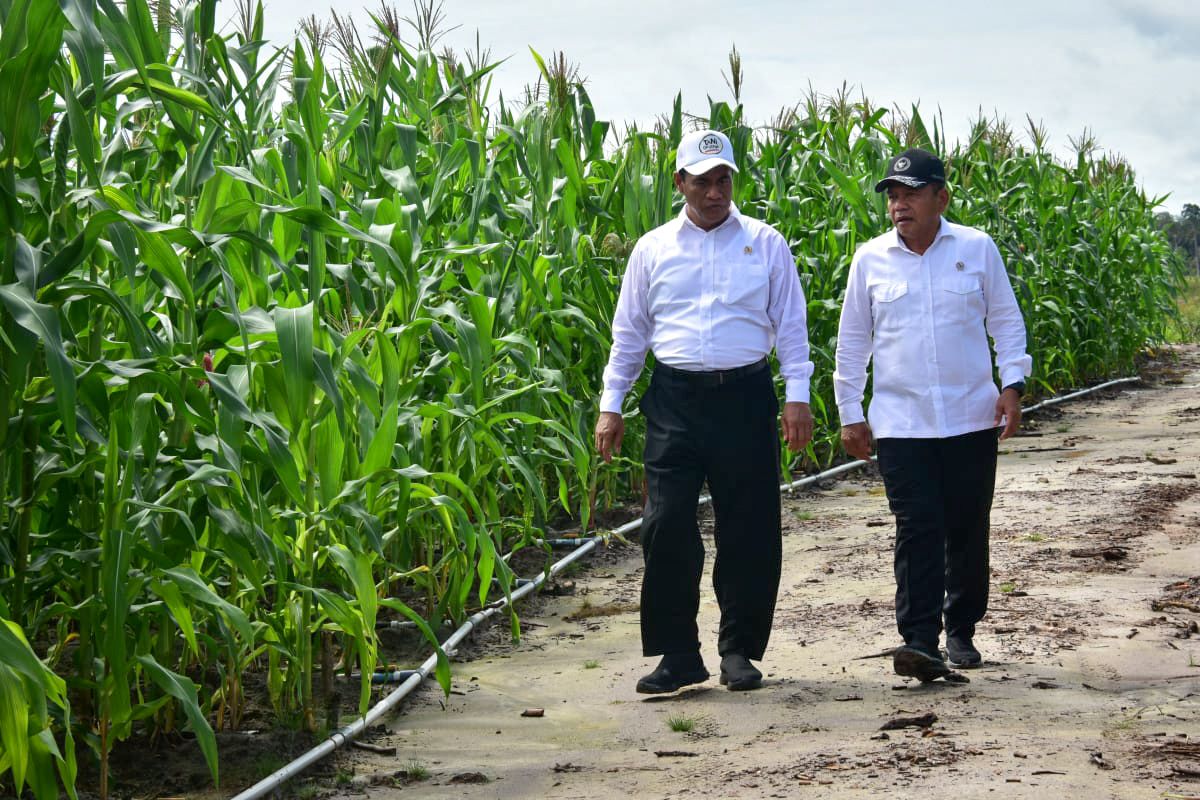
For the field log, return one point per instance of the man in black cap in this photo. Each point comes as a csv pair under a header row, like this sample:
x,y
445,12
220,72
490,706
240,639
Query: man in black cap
x,y
921,302
711,293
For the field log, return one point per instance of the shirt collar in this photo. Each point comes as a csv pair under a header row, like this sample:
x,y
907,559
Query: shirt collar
x,y
735,217
944,232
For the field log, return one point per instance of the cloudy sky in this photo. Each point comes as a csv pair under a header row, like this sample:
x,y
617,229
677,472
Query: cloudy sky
x,y
1127,70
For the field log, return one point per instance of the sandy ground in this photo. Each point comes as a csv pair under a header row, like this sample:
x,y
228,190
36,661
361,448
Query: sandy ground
x,y
1090,686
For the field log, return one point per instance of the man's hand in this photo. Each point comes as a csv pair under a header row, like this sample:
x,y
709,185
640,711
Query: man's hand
x,y
1008,406
856,439
797,424
610,430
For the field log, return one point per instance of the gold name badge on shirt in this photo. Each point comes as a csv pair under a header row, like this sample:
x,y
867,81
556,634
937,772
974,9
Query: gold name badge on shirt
x,y
960,266
748,250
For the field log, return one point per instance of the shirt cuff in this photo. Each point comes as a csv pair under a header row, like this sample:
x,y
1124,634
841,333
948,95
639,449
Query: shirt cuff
x,y
1012,375
611,400
796,390
851,414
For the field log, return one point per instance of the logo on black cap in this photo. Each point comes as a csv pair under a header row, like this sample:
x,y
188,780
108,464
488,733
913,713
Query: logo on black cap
x,y
913,168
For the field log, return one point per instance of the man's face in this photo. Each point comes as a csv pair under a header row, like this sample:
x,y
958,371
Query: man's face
x,y
916,213
708,196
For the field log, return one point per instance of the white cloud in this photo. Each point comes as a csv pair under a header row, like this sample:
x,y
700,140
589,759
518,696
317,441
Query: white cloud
x,y
1173,25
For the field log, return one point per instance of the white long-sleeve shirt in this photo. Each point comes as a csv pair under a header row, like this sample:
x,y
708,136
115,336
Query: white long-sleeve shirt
x,y
924,320
709,300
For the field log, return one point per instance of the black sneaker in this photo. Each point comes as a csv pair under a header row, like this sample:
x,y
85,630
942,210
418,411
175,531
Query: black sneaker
x,y
739,674
961,651
912,662
673,673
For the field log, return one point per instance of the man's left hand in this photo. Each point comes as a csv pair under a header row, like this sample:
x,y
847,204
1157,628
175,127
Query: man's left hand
x,y
797,423
1008,406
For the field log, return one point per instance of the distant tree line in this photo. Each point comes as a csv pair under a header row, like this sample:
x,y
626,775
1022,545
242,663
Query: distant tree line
x,y
1183,232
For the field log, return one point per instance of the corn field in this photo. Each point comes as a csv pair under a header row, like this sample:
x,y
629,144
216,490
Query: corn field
x,y
289,349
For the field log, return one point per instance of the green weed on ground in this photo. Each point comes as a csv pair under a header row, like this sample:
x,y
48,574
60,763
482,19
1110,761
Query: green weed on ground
x,y
1186,328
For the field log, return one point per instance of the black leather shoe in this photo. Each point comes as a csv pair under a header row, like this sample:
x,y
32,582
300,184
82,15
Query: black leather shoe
x,y
912,662
672,674
738,673
961,652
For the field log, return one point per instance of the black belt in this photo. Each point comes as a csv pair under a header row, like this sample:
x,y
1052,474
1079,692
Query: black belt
x,y
714,377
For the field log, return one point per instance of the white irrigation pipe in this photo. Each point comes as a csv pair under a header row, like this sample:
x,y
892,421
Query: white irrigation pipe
x,y
385,706
1081,392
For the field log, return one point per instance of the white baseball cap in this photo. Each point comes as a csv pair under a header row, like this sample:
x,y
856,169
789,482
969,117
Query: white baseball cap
x,y
700,151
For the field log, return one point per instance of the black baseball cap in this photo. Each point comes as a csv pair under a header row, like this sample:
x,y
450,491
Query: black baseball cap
x,y
914,168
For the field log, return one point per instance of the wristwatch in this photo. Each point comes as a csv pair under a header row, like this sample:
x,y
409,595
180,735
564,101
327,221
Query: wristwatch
x,y
1018,385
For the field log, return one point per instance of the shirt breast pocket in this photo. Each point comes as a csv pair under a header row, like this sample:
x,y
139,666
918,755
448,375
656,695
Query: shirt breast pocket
x,y
888,301
746,283
962,297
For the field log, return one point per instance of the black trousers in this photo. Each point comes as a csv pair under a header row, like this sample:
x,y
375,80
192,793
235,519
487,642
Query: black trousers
x,y
726,435
941,493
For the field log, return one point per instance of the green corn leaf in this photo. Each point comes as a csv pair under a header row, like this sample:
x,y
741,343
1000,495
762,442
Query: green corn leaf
x,y
14,724
330,454
161,256
294,328
379,450
29,44
184,691
284,464
16,654
190,584
182,615
42,321
442,670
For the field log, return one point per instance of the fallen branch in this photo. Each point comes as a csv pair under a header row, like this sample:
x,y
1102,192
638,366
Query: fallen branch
x,y
884,654
374,748
1162,605
1189,749
1110,553
923,721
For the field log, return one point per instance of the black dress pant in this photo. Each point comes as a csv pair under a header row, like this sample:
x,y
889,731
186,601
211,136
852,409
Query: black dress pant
x,y
725,434
941,493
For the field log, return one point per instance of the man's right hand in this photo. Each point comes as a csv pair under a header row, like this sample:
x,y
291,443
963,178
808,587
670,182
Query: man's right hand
x,y
610,430
856,439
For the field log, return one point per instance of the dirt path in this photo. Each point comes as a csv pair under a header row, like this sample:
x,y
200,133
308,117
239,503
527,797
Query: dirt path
x,y
1090,688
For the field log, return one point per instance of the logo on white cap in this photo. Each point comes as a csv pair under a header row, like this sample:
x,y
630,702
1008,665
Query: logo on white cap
x,y
710,145
901,164
704,150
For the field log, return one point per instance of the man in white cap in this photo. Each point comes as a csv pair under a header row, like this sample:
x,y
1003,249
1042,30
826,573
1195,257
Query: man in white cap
x,y
710,293
921,302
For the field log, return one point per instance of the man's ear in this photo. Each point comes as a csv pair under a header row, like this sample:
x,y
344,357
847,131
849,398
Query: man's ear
x,y
679,181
